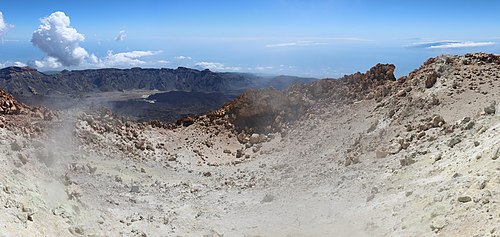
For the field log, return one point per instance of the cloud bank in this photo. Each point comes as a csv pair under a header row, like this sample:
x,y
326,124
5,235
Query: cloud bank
x,y
59,41
10,64
183,57
451,44
298,43
126,58
215,66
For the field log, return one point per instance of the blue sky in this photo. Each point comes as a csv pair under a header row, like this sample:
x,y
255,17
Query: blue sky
x,y
297,37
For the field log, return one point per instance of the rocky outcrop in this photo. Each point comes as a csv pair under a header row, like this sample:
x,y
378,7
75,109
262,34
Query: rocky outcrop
x,y
270,110
30,121
8,105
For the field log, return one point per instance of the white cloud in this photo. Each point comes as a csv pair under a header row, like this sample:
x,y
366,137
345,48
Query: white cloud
x,y
281,45
263,68
163,61
450,44
93,59
121,35
4,27
348,39
10,64
183,57
297,43
59,41
125,59
19,64
48,62
119,60
467,44
215,66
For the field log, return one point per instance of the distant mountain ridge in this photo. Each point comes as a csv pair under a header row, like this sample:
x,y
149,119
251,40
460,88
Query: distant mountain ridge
x,y
28,81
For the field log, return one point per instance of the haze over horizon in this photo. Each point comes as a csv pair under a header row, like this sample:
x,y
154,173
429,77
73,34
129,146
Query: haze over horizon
x,y
303,38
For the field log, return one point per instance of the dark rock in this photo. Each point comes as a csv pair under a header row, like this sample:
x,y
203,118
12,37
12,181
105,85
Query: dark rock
x,y
207,174
239,153
186,121
464,199
454,141
469,125
135,189
491,109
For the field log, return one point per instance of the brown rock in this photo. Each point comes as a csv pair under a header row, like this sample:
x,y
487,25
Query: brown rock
x,y
431,80
242,138
186,121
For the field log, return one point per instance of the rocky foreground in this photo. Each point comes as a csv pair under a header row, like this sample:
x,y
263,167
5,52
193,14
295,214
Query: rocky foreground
x,y
364,155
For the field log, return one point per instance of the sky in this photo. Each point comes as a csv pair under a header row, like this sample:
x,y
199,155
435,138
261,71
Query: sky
x,y
322,38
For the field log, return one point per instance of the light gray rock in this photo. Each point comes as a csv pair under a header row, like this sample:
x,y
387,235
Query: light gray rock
x,y
267,198
255,138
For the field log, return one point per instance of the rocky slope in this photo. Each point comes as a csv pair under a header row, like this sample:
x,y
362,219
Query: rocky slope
x,y
365,155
